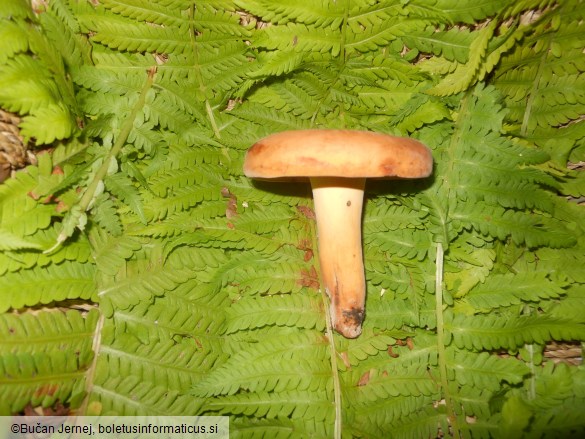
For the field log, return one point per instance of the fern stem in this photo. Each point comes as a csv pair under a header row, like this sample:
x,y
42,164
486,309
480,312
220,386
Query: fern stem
x,y
78,210
534,91
214,127
334,370
441,342
90,376
344,31
120,142
199,76
329,334
532,386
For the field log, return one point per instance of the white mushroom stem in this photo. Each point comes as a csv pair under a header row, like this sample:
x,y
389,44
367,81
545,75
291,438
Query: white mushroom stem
x,y
338,209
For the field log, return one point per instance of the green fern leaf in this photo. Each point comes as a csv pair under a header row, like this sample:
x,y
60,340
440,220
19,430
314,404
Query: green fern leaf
x,y
181,199
385,217
13,39
508,289
139,11
423,423
278,428
259,367
110,252
469,11
494,332
294,310
112,393
141,280
184,315
9,241
39,369
122,34
395,382
452,44
371,343
385,313
277,63
463,75
484,371
320,13
121,187
166,363
300,38
106,216
69,280
313,404
403,243
36,332
535,232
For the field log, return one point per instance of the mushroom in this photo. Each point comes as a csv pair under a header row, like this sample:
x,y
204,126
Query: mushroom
x,y
337,163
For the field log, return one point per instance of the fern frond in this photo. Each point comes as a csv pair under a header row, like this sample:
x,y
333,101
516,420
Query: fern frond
x,y
13,39
386,217
206,282
403,243
111,252
297,404
394,382
46,380
170,177
78,251
69,280
272,121
300,97
484,371
261,367
263,221
490,332
423,423
546,58
120,34
185,315
140,281
62,28
106,216
370,344
181,199
508,289
522,228
44,357
277,63
374,418
452,44
397,277
278,428
385,313
294,310
166,363
319,13
132,396
571,305
45,331
10,241
300,38
469,11
464,75
139,11
221,234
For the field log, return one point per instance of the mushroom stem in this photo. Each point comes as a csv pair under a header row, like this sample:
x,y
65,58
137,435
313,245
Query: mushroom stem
x,y
338,209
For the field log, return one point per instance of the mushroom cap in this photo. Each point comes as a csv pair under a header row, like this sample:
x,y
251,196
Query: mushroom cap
x,y
337,153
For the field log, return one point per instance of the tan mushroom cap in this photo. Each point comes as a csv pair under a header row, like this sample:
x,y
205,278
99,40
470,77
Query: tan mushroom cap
x,y
337,153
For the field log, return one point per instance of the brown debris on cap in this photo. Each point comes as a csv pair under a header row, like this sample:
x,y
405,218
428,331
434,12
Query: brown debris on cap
x,y
341,153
